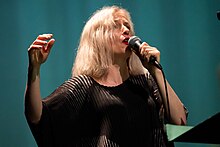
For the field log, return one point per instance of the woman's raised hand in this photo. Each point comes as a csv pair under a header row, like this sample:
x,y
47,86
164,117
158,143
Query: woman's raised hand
x,y
39,50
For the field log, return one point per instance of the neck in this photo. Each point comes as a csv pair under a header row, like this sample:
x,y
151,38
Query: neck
x,y
115,76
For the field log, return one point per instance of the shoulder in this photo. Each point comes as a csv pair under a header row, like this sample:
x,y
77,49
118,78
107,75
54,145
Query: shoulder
x,y
81,81
77,86
143,80
74,87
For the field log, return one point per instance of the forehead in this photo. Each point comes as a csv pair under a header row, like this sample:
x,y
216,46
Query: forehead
x,y
122,17
121,14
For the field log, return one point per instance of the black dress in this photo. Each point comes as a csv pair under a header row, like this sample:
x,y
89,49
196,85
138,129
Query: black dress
x,y
83,113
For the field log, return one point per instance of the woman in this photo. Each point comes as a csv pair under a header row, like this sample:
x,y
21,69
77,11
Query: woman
x,y
113,98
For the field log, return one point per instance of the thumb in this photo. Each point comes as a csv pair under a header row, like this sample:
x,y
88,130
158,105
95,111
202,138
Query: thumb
x,y
49,45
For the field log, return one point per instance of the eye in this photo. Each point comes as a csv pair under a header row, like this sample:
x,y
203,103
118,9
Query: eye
x,y
127,25
117,25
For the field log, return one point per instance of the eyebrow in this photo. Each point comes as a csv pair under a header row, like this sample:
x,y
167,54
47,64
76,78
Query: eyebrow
x,y
124,21
127,23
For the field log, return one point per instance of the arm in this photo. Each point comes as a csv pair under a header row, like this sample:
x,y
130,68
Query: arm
x,y
37,53
177,110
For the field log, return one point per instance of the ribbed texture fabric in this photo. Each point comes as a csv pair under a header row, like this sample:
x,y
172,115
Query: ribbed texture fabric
x,y
83,113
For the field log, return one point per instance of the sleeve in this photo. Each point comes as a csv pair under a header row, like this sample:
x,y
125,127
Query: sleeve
x,y
60,108
53,107
155,94
42,130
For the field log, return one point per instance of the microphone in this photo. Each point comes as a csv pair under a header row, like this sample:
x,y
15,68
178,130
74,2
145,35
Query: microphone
x,y
134,42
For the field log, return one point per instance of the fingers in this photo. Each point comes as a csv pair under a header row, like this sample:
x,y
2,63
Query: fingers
x,y
147,51
49,45
45,36
41,42
37,44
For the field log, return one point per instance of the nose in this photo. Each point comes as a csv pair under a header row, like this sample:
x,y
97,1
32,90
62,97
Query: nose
x,y
125,30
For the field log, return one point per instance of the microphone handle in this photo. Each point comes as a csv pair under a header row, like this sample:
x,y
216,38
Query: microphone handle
x,y
154,61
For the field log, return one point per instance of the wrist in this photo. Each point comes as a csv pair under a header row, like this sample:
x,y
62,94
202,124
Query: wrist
x,y
33,72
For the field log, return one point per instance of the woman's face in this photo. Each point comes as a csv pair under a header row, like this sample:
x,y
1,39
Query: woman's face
x,y
122,34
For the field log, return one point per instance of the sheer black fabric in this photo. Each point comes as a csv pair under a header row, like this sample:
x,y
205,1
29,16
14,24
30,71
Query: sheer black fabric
x,y
83,113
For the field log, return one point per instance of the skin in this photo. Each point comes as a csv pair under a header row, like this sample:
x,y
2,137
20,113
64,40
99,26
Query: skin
x,y
38,53
118,72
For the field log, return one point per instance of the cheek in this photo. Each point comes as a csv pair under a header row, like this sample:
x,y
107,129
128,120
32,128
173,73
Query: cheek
x,y
117,34
117,41
119,48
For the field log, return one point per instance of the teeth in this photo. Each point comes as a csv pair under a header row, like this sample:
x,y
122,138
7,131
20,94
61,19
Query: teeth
x,y
126,40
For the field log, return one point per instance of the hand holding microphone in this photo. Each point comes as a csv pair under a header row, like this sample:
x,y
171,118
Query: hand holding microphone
x,y
147,53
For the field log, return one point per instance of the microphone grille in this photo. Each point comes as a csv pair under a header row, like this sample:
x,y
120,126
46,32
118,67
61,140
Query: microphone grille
x,y
132,40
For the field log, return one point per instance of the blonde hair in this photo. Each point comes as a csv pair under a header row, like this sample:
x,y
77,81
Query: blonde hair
x,y
94,53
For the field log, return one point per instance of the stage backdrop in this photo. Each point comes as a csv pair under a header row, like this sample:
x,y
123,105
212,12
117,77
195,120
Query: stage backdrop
x,y
186,32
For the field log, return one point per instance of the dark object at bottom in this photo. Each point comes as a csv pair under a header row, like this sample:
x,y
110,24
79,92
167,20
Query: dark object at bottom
x,y
205,132
218,15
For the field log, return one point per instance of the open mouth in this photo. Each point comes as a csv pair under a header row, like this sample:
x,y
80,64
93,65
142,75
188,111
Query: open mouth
x,y
125,41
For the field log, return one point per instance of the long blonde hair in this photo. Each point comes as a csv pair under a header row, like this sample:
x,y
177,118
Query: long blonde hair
x,y
94,53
